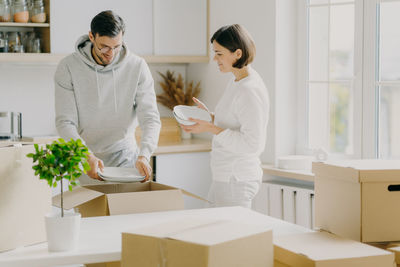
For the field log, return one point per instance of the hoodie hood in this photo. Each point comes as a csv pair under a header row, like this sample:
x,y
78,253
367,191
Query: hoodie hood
x,y
83,49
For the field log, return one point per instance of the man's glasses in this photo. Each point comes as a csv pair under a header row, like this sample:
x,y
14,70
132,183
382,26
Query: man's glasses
x,y
107,49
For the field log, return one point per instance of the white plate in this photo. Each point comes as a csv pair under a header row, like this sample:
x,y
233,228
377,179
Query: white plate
x,y
182,114
117,174
183,122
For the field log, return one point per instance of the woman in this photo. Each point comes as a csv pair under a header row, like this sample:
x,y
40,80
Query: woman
x,y
239,124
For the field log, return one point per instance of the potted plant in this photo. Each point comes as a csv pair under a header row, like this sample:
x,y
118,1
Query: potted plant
x,y
175,93
56,163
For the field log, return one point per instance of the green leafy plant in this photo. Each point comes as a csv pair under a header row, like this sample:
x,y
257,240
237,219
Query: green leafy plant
x,y
61,160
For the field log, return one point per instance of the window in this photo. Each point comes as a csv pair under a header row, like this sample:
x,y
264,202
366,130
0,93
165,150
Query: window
x,y
352,77
330,75
388,78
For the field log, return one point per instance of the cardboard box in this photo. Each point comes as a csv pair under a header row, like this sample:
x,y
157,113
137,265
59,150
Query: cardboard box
x,y
125,198
393,247
327,250
198,243
358,199
396,251
24,199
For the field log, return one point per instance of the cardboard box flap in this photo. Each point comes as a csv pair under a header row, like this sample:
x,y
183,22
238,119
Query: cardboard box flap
x,y
396,251
111,188
366,170
202,231
76,197
146,201
330,170
167,229
219,232
322,246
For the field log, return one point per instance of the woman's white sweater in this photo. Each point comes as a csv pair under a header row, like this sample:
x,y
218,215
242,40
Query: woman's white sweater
x,y
243,112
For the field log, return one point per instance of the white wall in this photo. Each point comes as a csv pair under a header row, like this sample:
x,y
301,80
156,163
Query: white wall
x,y
29,88
286,77
272,23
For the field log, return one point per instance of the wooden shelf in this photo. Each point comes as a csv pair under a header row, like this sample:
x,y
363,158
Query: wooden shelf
x,y
30,58
16,24
176,59
55,58
293,174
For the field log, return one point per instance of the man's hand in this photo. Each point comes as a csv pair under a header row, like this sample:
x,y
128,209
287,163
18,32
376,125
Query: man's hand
x,y
143,166
95,165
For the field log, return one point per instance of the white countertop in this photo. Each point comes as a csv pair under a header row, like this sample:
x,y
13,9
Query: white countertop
x,y
100,239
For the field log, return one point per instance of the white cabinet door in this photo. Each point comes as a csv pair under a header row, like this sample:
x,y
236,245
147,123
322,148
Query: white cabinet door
x,y
71,19
180,27
189,171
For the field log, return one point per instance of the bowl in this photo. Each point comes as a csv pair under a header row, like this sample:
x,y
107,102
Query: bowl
x,y
182,114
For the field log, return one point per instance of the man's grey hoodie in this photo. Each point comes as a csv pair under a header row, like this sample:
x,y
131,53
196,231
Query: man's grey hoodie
x,y
102,105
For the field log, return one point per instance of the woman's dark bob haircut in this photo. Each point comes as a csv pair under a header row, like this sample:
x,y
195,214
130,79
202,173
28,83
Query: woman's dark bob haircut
x,y
107,23
234,37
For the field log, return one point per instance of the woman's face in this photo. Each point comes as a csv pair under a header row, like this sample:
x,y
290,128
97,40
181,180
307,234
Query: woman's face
x,y
225,58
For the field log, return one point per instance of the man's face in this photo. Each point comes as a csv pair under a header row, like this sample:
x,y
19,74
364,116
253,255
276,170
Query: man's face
x,y
106,48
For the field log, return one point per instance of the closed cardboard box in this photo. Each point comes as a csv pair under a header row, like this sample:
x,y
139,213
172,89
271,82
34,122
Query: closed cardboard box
x,y
197,242
124,198
24,199
321,249
358,199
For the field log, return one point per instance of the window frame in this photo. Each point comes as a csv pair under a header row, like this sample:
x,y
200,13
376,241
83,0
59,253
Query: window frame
x,y
360,123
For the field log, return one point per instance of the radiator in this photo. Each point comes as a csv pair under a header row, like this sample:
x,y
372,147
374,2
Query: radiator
x,y
289,203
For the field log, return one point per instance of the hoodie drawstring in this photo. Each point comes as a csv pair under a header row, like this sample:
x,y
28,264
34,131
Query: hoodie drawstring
x,y
115,92
97,84
114,88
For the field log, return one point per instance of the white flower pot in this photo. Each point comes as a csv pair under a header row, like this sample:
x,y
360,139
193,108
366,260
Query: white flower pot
x,y
63,232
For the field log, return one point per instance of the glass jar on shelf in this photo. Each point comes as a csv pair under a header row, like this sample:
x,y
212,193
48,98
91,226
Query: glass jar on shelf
x,y
14,42
38,14
20,11
5,11
3,43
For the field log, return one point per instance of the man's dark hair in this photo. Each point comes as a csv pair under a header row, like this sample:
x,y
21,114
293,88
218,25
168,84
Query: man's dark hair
x,y
235,37
107,23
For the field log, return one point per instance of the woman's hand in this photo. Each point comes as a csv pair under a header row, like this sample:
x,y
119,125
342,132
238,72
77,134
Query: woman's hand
x,y
201,126
203,106
200,104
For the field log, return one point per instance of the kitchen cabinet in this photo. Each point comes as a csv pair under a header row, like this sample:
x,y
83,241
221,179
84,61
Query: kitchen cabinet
x,y
180,31
170,31
41,29
188,171
71,19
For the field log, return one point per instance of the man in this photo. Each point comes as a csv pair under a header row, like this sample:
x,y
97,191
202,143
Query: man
x,y
101,92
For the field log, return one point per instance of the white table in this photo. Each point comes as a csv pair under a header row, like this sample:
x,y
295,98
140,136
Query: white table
x,y
100,239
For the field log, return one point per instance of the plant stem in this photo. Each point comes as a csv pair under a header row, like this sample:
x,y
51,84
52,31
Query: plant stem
x,y
62,199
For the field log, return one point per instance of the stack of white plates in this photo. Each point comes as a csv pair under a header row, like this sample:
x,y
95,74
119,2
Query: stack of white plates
x,y
182,114
117,174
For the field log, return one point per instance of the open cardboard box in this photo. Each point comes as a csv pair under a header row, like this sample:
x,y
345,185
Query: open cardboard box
x,y
198,242
323,249
123,198
24,199
358,199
